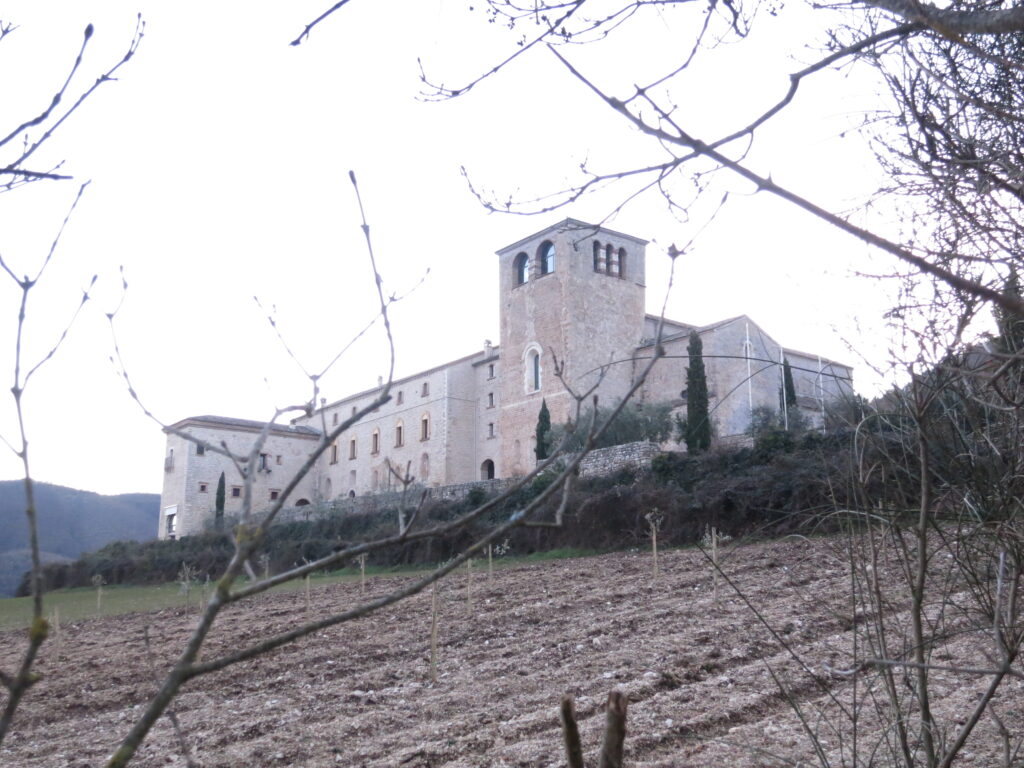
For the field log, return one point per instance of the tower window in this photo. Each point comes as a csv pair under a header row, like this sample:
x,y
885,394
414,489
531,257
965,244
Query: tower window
x,y
236,491
334,453
400,398
622,262
613,262
399,435
426,389
334,419
522,268
490,371
375,442
203,487
352,448
534,362
490,429
425,427
546,256
490,399
598,257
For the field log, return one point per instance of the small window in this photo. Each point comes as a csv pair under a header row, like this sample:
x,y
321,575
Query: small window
x,y
277,460
535,371
203,487
546,256
353,410
490,371
375,442
425,428
490,399
334,453
200,449
170,525
399,435
613,263
334,420
426,389
352,448
275,495
622,262
400,398
490,429
522,269
265,461
598,257
236,491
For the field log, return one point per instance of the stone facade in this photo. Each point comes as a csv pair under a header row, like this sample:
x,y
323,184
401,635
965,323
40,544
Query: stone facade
x,y
571,296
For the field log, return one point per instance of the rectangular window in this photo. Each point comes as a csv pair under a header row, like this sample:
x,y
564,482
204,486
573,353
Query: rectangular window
x,y
236,491
203,487
171,525
265,461
353,410
490,371
200,449
400,398
398,436
278,459
426,389
490,399
375,443
425,429
352,448
334,453
490,429
274,495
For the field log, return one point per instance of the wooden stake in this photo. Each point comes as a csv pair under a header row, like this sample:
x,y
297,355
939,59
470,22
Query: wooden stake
x,y
307,595
362,572
56,628
433,633
490,566
654,550
571,732
714,558
469,585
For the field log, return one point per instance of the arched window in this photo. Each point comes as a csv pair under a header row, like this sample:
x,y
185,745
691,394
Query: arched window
x,y
327,488
532,367
487,470
535,370
622,262
399,434
522,268
425,427
613,262
546,257
352,448
598,258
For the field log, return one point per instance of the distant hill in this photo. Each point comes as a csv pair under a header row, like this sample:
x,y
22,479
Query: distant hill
x,y
70,522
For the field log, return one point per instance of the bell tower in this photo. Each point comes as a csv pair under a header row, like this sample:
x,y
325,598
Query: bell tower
x,y
574,291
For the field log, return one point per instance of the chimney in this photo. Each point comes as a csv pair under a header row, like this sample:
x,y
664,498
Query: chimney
x,y
487,348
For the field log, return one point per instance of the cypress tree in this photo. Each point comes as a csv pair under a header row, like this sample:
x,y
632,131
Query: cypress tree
x,y
218,514
543,430
787,383
698,418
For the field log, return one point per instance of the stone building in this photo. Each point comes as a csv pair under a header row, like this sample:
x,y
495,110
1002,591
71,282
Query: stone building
x,y
574,292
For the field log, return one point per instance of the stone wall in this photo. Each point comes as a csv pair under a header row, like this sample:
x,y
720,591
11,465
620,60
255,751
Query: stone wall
x,y
602,461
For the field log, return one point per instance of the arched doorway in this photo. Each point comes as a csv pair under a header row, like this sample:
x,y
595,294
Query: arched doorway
x,y
487,470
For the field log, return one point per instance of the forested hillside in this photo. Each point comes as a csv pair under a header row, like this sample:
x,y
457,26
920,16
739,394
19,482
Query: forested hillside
x,y
70,522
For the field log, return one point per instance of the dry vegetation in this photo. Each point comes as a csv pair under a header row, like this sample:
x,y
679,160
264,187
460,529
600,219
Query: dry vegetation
x,y
698,674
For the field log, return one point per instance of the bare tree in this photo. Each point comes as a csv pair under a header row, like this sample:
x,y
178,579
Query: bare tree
x,y
18,146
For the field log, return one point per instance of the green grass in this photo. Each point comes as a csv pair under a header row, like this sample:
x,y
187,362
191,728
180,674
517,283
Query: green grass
x,y
78,604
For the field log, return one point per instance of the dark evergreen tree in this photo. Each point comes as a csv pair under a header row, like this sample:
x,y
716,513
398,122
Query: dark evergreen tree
x,y
698,418
218,514
543,431
787,384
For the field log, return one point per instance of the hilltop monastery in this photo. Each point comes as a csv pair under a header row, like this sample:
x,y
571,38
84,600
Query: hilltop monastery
x,y
574,289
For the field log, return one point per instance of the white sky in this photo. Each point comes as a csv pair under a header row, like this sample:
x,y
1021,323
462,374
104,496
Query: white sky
x,y
219,164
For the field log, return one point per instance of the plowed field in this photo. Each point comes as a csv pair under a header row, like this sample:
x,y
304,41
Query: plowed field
x,y
708,683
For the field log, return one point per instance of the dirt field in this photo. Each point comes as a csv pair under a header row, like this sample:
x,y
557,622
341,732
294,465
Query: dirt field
x,y
698,673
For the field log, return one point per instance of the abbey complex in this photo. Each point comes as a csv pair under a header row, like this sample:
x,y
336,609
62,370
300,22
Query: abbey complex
x,y
573,289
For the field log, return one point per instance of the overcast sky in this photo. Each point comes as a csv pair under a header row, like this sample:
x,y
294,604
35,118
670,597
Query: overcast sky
x,y
218,165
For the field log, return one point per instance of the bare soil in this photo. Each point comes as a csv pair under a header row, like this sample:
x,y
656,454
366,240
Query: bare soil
x,y
708,683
